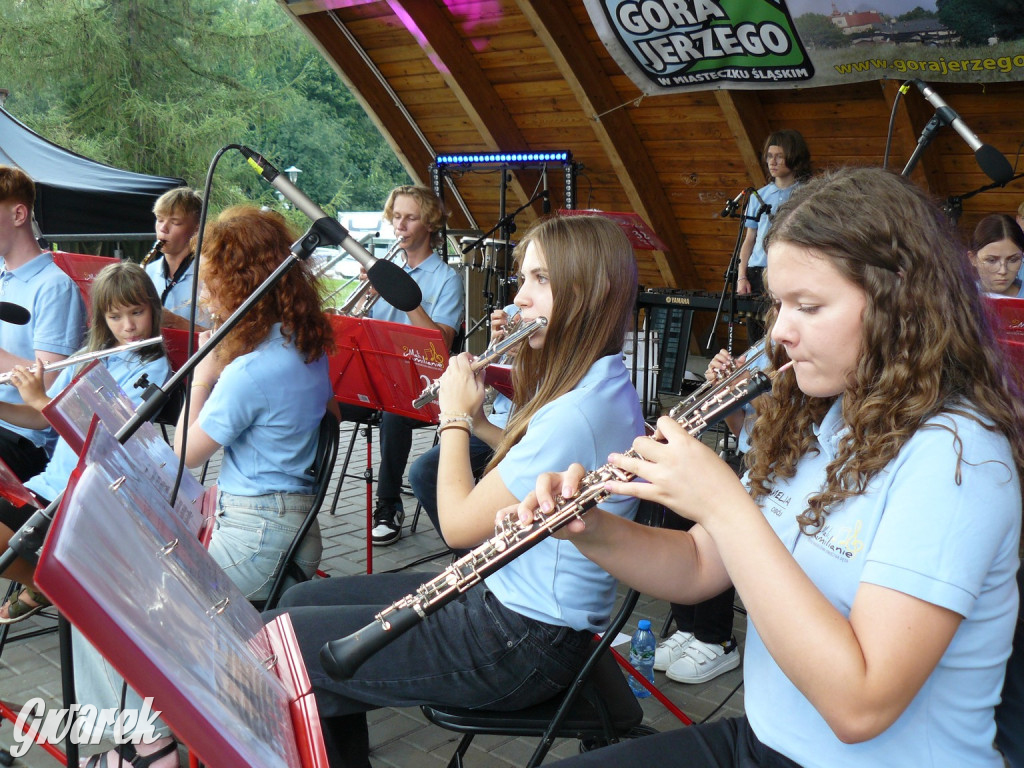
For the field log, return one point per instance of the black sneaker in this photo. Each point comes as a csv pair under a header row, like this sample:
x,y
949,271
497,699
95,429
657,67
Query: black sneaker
x,y
387,523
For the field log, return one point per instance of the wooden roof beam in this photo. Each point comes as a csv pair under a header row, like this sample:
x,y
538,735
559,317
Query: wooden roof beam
x,y
745,117
447,49
558,29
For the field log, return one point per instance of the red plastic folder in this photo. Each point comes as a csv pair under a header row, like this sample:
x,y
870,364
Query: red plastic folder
x,y
640,236
1007,317
129,575
385,365
12,489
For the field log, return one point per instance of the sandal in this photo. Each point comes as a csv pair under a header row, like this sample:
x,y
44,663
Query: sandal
x,y
20,607
130,756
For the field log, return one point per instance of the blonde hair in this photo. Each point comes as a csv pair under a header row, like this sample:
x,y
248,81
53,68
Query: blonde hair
x,y
182,200
432,213
593,276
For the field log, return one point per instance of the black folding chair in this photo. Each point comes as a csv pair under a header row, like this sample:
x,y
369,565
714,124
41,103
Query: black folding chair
x,y
598,708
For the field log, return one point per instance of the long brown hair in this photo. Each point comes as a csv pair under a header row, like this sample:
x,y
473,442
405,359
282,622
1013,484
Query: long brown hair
x,y
240,250
124,284
592,270
926,346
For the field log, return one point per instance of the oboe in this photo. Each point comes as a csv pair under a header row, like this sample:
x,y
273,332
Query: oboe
x,y
88,357
490,355
342,657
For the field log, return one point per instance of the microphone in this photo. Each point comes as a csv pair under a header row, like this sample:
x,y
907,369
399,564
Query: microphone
x,y
14,313
392,282
990,159
546,205
732,205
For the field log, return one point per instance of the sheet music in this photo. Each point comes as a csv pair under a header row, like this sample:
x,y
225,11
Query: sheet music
x,y
95,393
141,588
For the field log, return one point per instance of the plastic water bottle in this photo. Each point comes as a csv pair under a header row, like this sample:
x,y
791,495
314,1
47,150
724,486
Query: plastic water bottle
x,y
641,656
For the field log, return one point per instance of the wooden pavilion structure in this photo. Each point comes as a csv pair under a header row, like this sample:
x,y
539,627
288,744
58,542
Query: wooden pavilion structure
x,y
458,76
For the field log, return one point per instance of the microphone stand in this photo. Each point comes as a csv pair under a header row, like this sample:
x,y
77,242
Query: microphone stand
x,y
507,225
939,119
731,272
28,539
953,205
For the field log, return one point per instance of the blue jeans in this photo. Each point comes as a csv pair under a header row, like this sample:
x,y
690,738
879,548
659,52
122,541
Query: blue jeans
x,y
252,534
474,652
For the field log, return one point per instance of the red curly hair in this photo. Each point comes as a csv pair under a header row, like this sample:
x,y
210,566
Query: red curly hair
x,y
240,250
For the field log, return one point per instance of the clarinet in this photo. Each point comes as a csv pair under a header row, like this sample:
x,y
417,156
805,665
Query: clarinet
x,y
154,253
342,657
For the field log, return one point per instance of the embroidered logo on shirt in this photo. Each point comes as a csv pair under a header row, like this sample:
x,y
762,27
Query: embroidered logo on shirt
x,y
842,543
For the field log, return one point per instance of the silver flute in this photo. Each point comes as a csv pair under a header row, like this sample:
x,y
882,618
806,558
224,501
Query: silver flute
x,y
342,657
88,357
490,355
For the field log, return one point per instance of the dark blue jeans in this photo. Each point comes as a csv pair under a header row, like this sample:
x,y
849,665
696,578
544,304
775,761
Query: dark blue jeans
x,y
474,652
423,475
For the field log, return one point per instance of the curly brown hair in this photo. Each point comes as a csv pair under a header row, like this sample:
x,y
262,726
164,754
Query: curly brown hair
x,y
927,346
240,250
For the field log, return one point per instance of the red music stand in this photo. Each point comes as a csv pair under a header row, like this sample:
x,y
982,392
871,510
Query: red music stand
x,y
384,366
1007,317
176,344
640,236
82,268
235,692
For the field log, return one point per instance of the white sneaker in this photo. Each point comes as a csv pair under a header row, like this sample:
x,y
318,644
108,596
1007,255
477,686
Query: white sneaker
x,y
671,649
704,661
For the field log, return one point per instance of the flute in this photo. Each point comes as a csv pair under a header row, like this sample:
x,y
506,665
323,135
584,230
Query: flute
x,y
88,357
490,355
342,657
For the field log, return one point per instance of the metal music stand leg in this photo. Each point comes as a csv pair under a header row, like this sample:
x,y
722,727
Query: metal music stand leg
x,y
368,476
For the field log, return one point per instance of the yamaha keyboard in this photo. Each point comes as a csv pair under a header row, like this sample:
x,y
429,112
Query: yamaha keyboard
x,y
704,300
667,328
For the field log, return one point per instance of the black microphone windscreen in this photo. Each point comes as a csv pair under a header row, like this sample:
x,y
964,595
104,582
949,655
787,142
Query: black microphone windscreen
x,y
994,164
394,285
14,313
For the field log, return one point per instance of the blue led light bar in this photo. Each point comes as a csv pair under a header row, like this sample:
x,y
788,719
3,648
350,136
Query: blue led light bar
x,y
501,158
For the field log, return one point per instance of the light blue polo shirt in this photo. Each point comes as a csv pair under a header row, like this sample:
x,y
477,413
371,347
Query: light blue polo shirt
x,y
125,368
265,410
918,531
57,321
553,582
774,197
443,298
179,297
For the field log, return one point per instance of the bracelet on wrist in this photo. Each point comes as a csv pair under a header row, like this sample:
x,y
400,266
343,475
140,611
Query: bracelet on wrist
x,y
459,427
447,419
202,385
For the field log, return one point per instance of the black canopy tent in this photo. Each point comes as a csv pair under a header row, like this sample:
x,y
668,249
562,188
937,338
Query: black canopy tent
x,y
78,198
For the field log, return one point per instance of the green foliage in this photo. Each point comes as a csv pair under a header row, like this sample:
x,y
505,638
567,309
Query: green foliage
x,y
973,19
915,14
159,86
817,31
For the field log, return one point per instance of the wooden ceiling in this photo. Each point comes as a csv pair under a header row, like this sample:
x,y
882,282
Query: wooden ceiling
x,y
454,76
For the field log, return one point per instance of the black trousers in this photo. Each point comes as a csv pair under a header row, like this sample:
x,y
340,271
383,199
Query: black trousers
x,y
726,743
20,454
711,620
